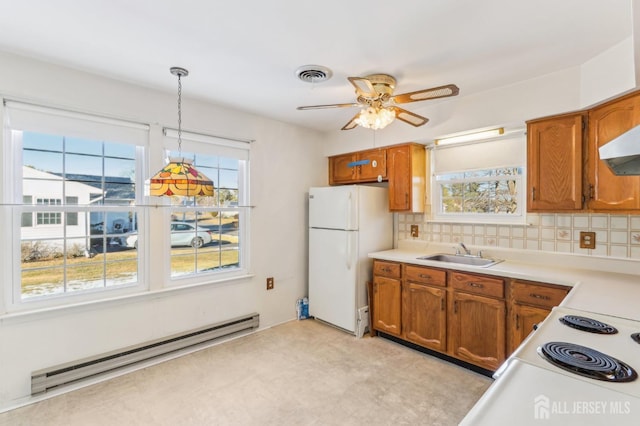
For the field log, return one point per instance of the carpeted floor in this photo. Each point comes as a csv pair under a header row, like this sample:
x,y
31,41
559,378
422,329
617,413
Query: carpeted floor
x,y
298,373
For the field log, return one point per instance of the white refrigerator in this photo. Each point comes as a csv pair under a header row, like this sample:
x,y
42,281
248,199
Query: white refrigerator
x,y
346,223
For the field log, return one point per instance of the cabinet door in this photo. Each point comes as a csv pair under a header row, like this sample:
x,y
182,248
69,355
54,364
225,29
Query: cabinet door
x,y
387,305
607,191
374,164
424,315
406,165
523,319
340,170
554,163
477,329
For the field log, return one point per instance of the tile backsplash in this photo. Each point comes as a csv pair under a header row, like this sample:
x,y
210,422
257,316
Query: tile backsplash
x,y
616,235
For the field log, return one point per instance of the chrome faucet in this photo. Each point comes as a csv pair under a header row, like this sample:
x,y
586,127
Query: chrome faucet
x,y
466,250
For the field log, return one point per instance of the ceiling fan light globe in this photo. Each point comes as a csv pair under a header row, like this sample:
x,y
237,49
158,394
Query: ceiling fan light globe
x,y
375,118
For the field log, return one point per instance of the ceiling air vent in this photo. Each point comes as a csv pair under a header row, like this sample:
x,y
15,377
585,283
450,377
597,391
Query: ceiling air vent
x,y
313,73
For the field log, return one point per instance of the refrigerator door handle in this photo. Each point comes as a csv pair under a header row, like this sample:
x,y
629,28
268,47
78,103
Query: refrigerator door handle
x,y
350,213
349,249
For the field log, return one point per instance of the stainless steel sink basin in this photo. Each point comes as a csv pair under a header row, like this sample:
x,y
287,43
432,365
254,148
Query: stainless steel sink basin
x,y
483,262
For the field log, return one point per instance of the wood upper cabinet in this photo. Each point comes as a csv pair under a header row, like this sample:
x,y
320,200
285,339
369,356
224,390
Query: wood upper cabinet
x,y
530,303
554,163
477,320
387,299
424,307
358,167
606,191
407,178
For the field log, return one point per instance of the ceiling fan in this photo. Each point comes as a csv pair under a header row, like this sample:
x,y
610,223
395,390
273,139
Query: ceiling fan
x,y
379,105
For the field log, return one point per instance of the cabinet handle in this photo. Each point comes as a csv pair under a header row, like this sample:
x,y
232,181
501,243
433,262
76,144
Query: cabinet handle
x,y
386,270
442,304
591,192
539,296
517,322
476,285
406,199
455,307
533,193
428,277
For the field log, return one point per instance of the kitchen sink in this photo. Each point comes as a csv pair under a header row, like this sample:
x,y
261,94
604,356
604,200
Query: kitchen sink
x,y
462,259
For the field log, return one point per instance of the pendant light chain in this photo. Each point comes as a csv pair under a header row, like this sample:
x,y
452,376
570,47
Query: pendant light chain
x,y
179,115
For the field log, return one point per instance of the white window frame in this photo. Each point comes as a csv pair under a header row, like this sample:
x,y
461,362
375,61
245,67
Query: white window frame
x,y
507,150
47,120
218,146
518,217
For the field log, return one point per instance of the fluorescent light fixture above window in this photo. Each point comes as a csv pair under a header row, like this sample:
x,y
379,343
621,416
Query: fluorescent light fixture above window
x,y
468,137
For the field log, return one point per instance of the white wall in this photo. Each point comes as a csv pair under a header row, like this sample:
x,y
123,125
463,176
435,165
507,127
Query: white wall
x,y
285,162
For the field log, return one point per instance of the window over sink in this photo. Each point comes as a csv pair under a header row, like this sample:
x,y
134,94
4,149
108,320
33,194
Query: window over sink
x,y
480,182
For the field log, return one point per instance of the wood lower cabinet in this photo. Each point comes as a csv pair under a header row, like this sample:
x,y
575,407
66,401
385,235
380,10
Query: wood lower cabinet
x,y
424,307
554,163
477,320
529,304
523,319
387,298
606,191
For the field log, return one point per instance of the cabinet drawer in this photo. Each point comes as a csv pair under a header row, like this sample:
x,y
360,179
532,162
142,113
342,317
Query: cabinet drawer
x,y
533,294
420,274
477,284
386,269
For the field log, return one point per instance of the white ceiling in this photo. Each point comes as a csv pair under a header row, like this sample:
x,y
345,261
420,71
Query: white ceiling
x,y
244,53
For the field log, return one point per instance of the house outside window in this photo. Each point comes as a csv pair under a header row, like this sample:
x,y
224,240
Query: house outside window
x,y
217,224
80,212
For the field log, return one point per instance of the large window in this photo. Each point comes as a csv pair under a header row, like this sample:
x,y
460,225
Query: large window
x,y
81,217
206,233
74,187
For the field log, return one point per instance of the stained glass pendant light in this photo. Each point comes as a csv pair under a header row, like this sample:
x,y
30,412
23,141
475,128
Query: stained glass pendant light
x,y
179,177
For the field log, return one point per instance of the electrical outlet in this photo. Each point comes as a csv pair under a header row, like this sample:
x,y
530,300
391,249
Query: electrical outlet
x,y
588,240
414,231
270,283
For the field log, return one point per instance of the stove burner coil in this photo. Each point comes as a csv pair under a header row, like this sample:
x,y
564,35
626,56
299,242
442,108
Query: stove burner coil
x,y
636,337
588,324
587,362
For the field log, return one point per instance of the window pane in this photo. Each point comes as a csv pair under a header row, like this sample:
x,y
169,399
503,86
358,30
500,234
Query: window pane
x,y
204,241
88,250
490,191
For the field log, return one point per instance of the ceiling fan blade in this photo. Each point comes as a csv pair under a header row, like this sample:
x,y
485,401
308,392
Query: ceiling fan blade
x,y
423,95
363,87
302,108
351,124
410,117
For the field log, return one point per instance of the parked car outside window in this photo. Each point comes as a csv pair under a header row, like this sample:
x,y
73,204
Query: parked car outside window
x,y
182,234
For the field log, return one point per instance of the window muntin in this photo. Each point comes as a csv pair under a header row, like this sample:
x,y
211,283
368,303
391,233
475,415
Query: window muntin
x,y
211,242
82,247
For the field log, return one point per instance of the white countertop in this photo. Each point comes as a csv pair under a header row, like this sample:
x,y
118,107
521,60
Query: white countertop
x,y
604,285
601,285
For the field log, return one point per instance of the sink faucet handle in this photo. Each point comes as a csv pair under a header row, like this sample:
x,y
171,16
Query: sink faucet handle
x,y
457,249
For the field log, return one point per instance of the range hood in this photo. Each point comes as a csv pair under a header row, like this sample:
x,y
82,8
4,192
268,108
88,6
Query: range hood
x,y
622,154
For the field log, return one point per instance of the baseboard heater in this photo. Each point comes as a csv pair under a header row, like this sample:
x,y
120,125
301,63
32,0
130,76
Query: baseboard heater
x,y
72,372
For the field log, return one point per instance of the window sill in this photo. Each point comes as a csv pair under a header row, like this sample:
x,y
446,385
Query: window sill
x,y
39,313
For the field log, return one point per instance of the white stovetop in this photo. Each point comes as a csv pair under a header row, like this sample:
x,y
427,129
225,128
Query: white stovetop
x,y
602,286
